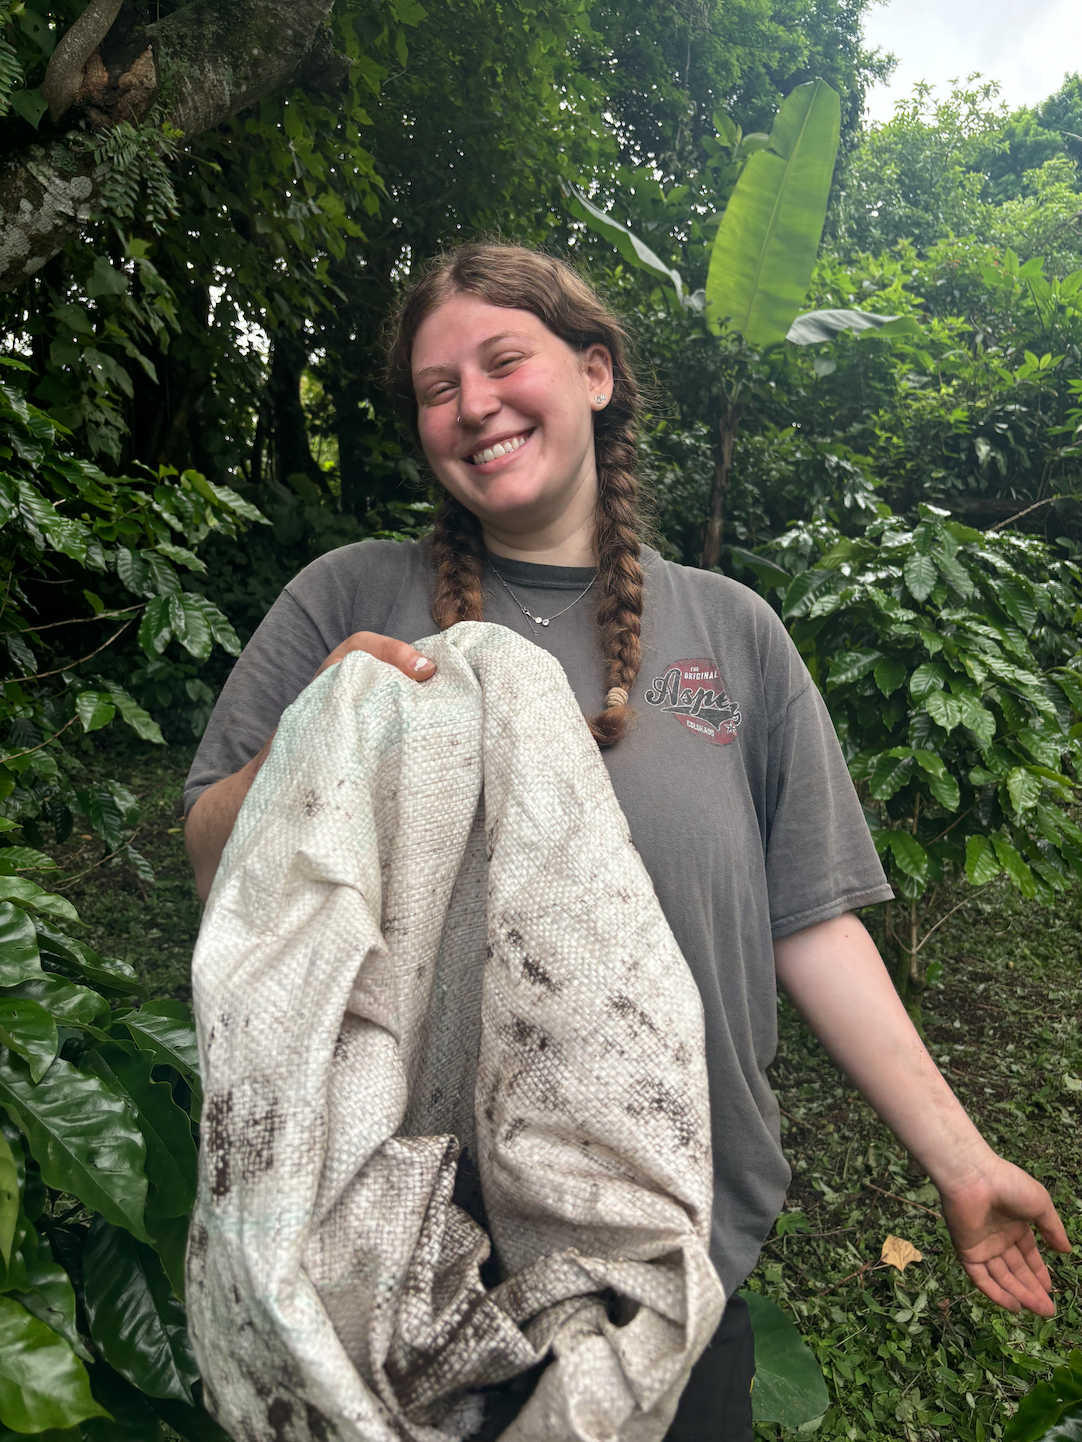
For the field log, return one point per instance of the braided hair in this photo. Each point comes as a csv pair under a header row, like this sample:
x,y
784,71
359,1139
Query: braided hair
x,y
521,279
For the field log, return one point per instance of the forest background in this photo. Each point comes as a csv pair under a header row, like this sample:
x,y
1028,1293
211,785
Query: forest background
x,y
191,412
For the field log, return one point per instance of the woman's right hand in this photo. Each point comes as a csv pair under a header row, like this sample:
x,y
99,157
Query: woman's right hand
x,y
384,648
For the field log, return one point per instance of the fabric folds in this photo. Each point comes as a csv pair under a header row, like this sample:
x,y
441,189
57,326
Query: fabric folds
x,y
430,934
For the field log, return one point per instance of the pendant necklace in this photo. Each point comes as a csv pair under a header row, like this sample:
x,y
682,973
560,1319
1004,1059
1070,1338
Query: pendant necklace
x,y
537,620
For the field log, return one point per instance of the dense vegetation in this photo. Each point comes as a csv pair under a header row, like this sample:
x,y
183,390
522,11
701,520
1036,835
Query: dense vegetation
x,y
190,411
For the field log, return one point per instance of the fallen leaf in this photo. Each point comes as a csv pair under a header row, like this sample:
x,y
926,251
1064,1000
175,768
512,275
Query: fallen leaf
x,y
897,1252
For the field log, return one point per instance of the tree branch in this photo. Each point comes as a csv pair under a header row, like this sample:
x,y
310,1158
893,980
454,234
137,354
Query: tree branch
x,y
210,59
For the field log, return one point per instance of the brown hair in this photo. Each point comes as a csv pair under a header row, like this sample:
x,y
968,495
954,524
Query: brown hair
x,y
521,279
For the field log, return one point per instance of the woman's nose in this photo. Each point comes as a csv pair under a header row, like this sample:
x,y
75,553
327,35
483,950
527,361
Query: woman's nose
x,y
477,400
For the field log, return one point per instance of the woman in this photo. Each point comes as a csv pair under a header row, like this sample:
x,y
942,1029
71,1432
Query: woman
x,y
719,748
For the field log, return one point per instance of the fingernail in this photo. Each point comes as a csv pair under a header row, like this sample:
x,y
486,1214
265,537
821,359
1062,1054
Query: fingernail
x,y
420,662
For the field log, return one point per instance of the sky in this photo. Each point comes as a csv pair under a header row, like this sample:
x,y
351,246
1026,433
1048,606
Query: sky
x,y
1027,45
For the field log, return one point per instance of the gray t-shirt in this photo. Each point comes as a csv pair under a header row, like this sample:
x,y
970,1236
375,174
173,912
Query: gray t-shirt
x,y
732,782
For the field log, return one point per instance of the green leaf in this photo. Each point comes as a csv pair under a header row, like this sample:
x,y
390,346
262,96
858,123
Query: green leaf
x,y
1024,788
156,627
171,1159
889,674
112,811
72,1006
94,710
1014,866
891,772
769,575
104,971
909,855
49,1296
980,860
136,1322
25,858
977,717
139,720
633,250
82,1135
940,783
815,326
851,665
170,1238
193,632
18,945
1017,600
15,888
764,251
789,1387
30,104
166,1029
945,711
29,1030
9,1198
42,1382
1053,1404
802,591
920,574
104,280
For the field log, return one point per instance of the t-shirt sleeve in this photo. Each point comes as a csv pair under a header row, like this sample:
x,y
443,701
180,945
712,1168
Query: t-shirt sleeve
x,y
820,859
274,668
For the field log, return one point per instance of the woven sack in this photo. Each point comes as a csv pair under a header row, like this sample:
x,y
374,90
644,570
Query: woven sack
x,y
430,935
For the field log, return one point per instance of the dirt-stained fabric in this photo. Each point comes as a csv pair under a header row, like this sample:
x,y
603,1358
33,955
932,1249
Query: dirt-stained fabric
x,y
429,931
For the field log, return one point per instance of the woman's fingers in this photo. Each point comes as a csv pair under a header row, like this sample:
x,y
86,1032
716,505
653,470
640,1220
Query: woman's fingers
x,y
384,648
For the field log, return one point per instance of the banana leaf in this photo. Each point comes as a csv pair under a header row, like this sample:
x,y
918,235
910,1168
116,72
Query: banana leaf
x,y
764,251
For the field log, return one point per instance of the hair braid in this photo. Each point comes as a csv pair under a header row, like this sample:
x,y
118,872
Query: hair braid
x,y
459,555
521,279
620,578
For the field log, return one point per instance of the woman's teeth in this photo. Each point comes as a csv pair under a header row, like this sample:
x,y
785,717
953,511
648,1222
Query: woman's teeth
x,y
502,448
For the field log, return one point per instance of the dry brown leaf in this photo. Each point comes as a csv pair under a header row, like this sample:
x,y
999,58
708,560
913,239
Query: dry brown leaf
x,y
897,1252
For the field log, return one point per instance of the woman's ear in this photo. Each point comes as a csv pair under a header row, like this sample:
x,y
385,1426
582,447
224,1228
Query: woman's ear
x,y
597,371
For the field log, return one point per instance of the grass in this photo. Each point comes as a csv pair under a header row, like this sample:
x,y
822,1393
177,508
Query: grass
x,y
917,1356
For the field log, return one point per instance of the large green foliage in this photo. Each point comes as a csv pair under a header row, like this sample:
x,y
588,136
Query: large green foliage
x,y
950,663
97,1176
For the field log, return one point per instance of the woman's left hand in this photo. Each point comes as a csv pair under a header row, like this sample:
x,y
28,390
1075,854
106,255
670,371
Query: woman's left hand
x,y
991,1221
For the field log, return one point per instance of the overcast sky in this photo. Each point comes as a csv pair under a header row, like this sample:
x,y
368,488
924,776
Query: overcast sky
x,y
1027,45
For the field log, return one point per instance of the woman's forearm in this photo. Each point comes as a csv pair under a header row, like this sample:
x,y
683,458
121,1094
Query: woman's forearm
x,y
837,981
211,820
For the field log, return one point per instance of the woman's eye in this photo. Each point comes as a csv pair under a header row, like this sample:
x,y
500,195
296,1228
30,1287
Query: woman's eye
x,y
505,360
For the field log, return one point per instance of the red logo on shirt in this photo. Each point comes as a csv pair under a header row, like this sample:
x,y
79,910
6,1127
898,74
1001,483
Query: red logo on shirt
x,y
693,692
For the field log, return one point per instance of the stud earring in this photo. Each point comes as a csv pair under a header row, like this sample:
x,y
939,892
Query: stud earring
x,y
600,400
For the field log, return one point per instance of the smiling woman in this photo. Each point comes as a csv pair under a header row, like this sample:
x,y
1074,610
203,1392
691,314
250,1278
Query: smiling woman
x,y
729,775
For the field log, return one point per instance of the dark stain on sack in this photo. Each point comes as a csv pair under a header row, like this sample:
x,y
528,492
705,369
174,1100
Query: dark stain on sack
x,y
279,1416
653,1096
245,1143
630,1011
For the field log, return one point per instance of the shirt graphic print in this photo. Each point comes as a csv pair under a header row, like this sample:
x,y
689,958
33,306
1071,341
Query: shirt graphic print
x,y
693,692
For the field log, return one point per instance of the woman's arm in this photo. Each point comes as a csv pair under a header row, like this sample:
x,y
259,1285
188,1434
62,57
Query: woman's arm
x,y
213,815
837,981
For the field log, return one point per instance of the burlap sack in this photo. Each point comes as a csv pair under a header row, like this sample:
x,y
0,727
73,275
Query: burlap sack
x,y
392,969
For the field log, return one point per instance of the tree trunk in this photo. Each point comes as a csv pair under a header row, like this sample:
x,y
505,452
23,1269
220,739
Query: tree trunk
x,y
292,453
728,424
903,957
209,59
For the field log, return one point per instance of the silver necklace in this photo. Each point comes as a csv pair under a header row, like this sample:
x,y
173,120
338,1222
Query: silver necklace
x,y
538,620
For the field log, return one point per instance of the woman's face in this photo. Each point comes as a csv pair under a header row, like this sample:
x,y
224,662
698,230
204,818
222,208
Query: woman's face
x,y
488,377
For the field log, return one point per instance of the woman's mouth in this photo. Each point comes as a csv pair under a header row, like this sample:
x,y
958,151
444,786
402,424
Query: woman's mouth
x,y
506,447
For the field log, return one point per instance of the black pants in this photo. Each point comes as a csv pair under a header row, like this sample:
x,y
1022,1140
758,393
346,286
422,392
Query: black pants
x,y
716,1405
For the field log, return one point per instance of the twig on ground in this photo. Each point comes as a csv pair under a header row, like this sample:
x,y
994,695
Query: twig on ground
x,y
904,1200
